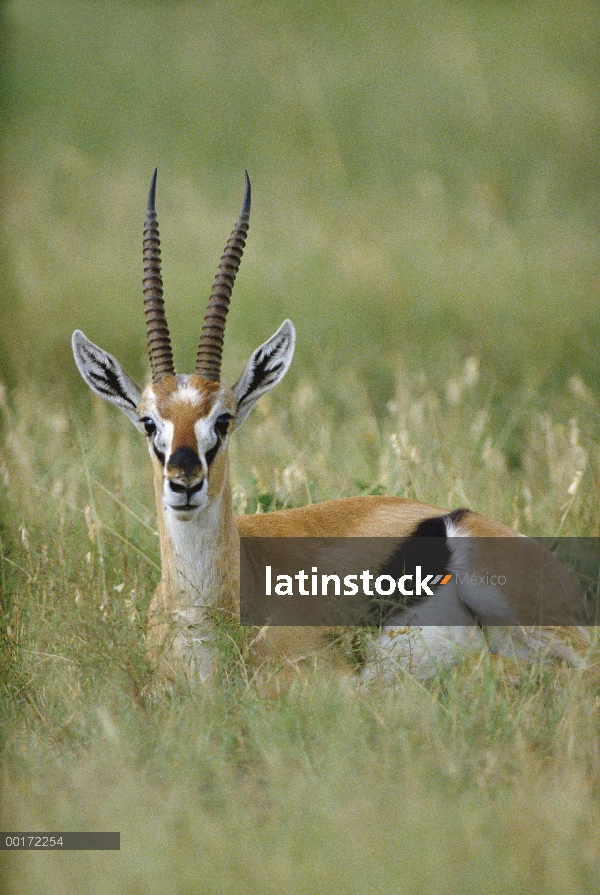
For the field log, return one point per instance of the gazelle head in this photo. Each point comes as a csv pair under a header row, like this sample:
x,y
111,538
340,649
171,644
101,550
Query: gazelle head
x,y
187,419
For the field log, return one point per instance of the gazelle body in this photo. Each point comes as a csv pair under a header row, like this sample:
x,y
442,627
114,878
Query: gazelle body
x,y
188,420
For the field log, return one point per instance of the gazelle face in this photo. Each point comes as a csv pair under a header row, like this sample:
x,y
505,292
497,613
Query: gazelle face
x,y
187,419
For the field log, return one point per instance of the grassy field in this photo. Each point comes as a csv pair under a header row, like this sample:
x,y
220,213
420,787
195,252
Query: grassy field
x,y
426,210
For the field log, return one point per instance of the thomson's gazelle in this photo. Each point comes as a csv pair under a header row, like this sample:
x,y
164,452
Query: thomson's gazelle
x,y
188,420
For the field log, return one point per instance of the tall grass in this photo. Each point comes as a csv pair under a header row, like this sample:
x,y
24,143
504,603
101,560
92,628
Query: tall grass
x,y
473,781
425,210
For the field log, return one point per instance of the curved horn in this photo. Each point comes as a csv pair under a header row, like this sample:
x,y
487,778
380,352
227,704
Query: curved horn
x,y
210,349
159,342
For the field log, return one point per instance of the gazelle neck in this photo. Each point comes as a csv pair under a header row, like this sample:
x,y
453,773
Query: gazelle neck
x,y
200,557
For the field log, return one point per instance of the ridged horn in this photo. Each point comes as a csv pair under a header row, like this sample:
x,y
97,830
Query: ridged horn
x,y
159,341
210,349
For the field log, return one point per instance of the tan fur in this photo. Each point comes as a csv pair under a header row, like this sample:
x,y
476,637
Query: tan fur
x,y
361,517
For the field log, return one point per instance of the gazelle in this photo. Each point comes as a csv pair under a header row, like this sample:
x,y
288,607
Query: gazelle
x,y
188,420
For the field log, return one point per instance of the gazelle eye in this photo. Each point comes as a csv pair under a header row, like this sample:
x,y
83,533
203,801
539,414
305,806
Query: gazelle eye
x,y
149,426
222,424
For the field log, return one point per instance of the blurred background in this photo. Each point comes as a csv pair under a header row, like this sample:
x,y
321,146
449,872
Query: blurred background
x,y
425,185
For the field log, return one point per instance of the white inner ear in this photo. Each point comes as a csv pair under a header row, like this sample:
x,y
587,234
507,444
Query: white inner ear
x,y
267,366
105,376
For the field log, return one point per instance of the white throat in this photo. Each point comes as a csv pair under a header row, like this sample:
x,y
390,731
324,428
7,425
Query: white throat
x,y
203,556
195,552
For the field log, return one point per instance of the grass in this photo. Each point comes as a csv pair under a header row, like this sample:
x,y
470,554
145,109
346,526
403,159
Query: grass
x,y
471,781
425,210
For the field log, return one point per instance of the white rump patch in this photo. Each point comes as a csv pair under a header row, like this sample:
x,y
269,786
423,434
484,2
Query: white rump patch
x,y
485,601
422,651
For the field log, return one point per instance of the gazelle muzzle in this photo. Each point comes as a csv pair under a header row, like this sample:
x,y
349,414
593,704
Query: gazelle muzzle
x,y
186,485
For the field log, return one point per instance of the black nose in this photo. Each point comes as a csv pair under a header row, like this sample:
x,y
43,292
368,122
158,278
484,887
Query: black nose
x,y
185,462
183,489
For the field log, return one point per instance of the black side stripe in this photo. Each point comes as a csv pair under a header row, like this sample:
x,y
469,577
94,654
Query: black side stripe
x,y
410,553
433,555
457,516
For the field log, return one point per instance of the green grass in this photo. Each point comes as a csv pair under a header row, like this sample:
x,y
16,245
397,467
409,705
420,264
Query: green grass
x,y
471,781
425,209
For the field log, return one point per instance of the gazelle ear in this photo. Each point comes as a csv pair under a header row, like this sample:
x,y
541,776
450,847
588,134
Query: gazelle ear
x,y
105,376
267,366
